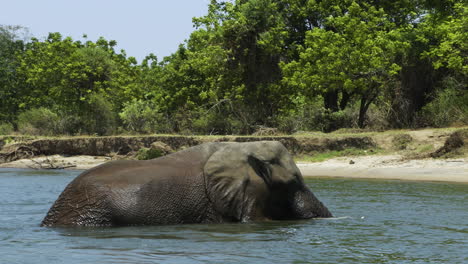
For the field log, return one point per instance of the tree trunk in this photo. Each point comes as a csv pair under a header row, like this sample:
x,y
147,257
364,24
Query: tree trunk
x,y
362,112
417,81
366,100
330,100
344,100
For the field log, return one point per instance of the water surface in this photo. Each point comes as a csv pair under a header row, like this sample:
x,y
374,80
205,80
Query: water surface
x,y
375,222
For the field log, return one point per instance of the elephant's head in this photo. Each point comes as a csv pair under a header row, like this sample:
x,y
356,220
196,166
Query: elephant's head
x,y
258,181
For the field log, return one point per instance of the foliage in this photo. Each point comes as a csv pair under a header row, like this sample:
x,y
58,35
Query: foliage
x,y
66,73
10,44
217,122
6,129
452,48
449,106
423,62
148,153
142,117
352,55
81,81
400,142
38,121
319,157
70,124
100,118
292,64
313,119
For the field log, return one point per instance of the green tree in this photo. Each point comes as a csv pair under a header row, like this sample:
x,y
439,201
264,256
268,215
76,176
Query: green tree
x,y
10,45
352,55
425,29
451,48
249,37
72,78
250,63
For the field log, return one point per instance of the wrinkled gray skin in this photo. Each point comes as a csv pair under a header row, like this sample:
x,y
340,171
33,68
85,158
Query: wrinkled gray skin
x,y
209,183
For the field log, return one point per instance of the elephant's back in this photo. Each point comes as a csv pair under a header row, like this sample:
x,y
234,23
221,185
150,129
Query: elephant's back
x,y
86,201
79,205
194,157
160,191
170,189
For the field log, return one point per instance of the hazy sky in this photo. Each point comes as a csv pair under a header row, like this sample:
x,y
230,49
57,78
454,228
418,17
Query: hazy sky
x,y
140,27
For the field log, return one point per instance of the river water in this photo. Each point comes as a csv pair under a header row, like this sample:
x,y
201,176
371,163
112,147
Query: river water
x,y
375,222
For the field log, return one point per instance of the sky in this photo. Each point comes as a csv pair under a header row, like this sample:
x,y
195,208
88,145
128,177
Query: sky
x,y
140,27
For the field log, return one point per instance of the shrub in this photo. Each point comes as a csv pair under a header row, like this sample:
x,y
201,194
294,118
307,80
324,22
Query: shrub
x,y
454,146
401,142
378,116
215,122
142,117
6,128
311,118
328,121
70,124
99,117
449,106
299,118
38,121
148,153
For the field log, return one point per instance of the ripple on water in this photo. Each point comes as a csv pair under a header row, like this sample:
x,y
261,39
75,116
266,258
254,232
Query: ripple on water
x,y
376,222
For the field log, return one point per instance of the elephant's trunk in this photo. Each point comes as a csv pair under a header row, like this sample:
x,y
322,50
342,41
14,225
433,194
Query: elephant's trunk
x,y
306,205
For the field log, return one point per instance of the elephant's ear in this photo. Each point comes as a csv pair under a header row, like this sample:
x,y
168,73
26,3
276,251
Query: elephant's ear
x,y
261,168
233,184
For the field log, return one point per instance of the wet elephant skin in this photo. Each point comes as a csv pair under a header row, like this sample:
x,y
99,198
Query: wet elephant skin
x,y
209,183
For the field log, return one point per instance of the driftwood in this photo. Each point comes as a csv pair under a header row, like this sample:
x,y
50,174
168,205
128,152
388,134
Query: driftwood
x,y
22,151
16,152
266,131
49,164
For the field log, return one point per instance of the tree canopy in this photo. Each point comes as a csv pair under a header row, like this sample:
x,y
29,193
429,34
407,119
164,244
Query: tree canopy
x,y
291,64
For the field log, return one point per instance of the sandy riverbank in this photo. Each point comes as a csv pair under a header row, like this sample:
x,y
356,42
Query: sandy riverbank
x,y
81,162
371,167
390,167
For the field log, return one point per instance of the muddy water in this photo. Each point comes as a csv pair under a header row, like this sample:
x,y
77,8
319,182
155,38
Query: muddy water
x,y
376,222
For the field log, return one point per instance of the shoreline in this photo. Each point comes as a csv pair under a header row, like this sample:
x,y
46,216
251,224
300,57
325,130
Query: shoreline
x,y
385,167
390,167
81,162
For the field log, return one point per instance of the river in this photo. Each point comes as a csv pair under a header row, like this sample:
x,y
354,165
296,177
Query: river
x,y
376,221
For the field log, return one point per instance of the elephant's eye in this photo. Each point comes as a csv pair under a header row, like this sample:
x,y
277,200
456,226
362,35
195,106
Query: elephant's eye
x,y
296,176
274,161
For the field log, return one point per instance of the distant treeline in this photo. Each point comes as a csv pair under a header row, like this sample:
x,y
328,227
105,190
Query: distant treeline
x,y
291,65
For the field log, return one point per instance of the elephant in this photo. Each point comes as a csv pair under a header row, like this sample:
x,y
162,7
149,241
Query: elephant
x,y
210,183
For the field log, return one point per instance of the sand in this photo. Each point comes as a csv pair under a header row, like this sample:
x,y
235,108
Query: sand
x,y
370,167
390,167
58,162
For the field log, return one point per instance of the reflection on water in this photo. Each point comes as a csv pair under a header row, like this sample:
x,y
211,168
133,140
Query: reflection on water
x,y
376,222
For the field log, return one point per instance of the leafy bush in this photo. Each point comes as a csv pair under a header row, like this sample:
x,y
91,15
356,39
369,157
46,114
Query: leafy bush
x,y
300,118
449,106
96,117
401,142
142,117
70,124
378,116
328,121
38,121
218,120
214,122
312,118
148,153
6,128
99,117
